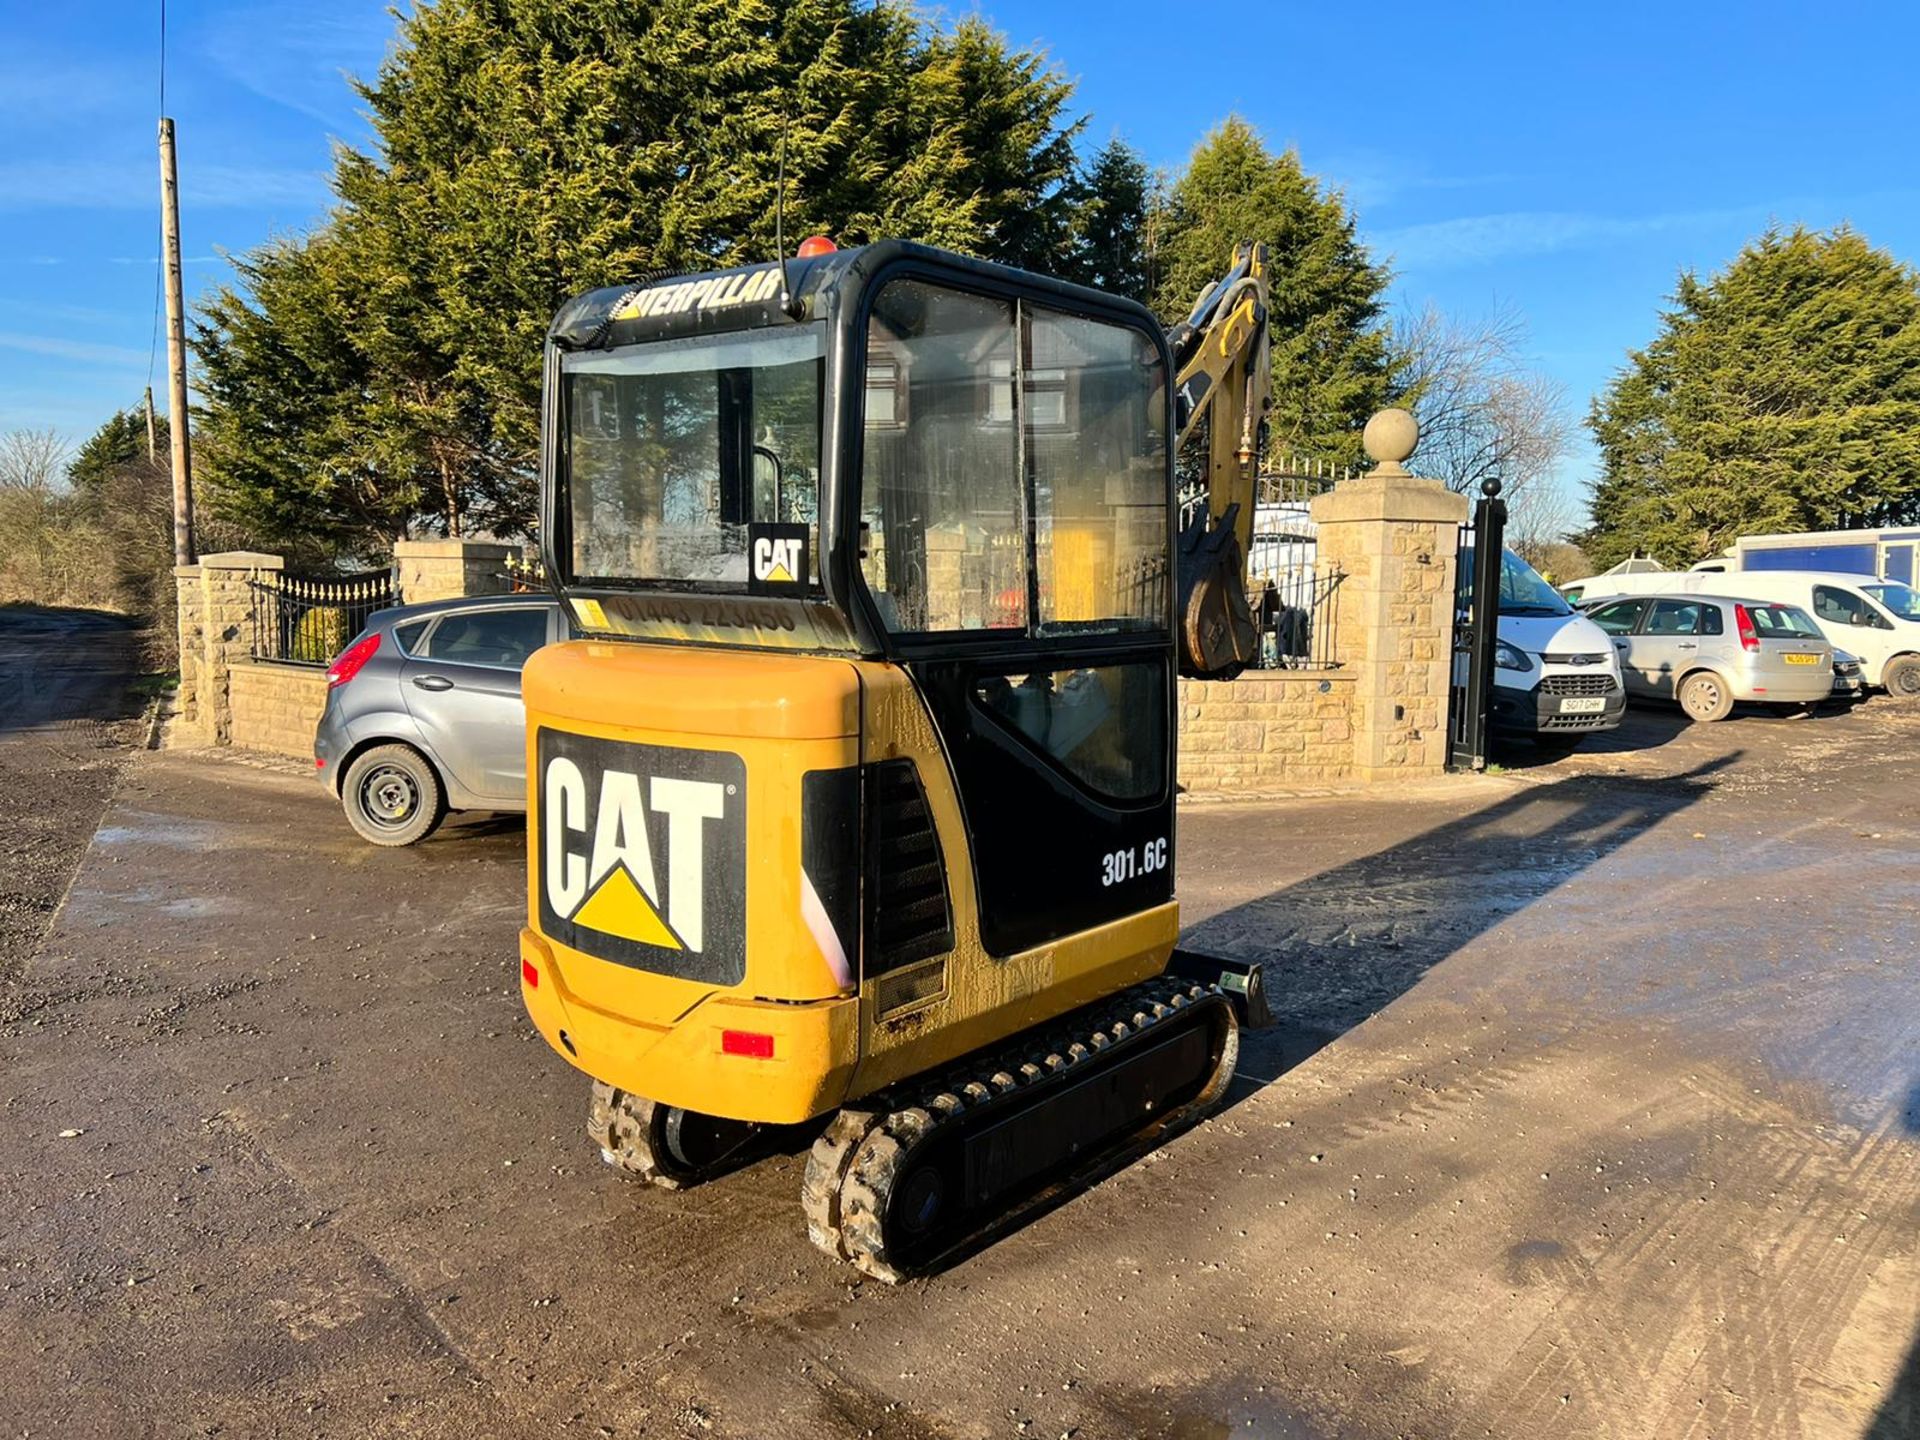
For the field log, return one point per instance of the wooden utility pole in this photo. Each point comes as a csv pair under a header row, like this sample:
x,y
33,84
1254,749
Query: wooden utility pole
x,y
176,352
153,444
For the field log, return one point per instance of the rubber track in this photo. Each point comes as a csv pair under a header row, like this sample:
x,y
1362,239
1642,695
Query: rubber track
x,y
852,1167
621,1124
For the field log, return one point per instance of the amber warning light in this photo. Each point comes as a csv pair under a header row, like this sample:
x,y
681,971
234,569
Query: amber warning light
x,y
816,245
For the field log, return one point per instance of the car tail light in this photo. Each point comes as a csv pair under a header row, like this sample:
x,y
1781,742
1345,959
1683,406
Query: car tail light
x,y
352,659
1749,637
750,1043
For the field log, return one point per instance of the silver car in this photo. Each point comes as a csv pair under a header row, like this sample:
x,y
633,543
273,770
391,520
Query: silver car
x,y
424,716
1709,651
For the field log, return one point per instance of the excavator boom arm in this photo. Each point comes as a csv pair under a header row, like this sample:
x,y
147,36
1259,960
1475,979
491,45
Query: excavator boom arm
x,y
1224,377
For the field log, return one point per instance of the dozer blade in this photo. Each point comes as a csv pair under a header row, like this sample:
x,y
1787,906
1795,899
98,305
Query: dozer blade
x,y
1216,629
1243,981
913,1175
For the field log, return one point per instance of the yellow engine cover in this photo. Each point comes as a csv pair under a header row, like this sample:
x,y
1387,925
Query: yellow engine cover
x,y
695,884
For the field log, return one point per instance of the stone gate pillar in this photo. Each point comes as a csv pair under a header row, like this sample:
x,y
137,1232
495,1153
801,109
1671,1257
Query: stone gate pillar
x,y
1395,536
216,630
450,569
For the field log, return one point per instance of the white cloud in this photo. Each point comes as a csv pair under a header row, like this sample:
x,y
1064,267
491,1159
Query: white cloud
x,y
82,351
1375,179
1480,239
41,185
299,57
36,90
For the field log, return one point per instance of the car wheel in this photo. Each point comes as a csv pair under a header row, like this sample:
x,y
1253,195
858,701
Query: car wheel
x,y
392,797
1705,697
1902,678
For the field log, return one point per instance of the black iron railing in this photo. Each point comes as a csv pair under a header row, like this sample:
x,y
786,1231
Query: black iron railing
x,y
526,575
307,620
1297,612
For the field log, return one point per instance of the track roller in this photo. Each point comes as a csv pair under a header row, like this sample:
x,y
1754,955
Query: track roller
x,y
944,1160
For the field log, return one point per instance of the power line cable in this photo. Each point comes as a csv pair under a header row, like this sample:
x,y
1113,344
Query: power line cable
x,y
159,249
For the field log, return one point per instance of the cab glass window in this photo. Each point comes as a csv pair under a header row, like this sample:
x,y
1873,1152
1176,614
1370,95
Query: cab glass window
x,y
1674,617
1014,468
1105,725
1902,600
674,449
1094,398
1618,618
942,508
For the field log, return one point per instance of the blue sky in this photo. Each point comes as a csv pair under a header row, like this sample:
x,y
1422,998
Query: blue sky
x,y
1566,160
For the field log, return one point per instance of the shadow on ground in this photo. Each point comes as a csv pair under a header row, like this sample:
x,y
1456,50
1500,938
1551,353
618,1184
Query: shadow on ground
x,y
1650,727
60,667
1899,1415
1346,943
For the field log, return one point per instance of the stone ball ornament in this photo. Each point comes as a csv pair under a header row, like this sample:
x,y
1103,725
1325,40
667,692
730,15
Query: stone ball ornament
x,y
1390,436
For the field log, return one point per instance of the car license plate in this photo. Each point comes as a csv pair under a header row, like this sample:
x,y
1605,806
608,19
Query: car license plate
x,y
1802,659
1584,705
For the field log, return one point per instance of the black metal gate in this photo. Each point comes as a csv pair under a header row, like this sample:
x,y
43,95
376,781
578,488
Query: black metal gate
x,y
1476,626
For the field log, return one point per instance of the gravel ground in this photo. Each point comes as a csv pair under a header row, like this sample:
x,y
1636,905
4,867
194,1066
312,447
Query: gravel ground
x,y
1595,1113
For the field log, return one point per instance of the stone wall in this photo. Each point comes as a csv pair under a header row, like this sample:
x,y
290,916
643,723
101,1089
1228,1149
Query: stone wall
x,y
275,707
1268,730
1381,712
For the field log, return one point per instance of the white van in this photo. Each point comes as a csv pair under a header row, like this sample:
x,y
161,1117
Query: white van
x,y
1877,620
1556,677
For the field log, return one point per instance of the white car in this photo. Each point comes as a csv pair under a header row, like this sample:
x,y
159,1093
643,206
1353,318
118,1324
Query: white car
x,y
1556,677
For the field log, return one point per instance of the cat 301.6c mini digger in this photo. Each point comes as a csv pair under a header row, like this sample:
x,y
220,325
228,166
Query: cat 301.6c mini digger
x,y
856,794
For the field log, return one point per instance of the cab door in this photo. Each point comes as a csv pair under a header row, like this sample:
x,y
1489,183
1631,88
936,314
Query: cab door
x,y
1015,507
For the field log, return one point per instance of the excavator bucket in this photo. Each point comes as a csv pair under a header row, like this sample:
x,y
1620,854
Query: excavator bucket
x,y
1216,629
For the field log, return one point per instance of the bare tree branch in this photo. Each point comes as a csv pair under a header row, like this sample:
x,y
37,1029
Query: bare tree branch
x,y
33,462
1484,409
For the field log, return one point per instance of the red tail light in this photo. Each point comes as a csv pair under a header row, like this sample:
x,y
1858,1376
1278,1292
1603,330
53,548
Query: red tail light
x,y
1749,637
752,1044
352,659
530,974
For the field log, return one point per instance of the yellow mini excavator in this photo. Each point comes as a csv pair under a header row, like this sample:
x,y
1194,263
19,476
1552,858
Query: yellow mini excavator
x,y
854,797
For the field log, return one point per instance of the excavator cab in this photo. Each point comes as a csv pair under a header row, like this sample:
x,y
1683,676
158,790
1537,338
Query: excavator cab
x,y
856,785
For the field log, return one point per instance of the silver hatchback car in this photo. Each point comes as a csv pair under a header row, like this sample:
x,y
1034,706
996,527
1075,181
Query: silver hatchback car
x,y
1709,651
424,715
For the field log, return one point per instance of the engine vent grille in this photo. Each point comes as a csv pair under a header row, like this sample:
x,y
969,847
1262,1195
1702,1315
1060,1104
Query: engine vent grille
x,y
1582,657
1577,685
909,916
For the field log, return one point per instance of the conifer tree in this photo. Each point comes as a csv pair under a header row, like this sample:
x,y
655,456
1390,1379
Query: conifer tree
x,y
383,373
1109,242
1781,394
1332,356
